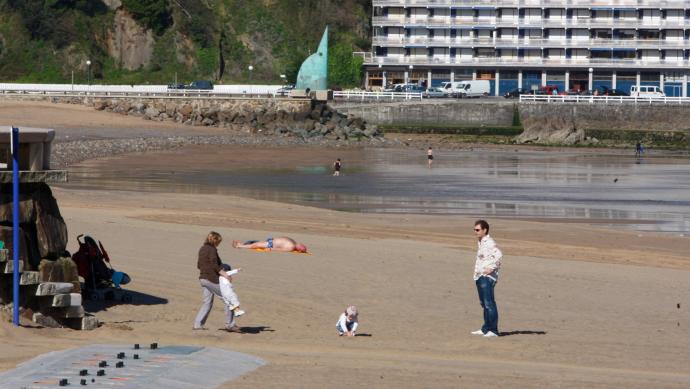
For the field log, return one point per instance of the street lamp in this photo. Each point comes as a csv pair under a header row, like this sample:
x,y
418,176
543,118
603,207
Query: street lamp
x,y
88,71
250,68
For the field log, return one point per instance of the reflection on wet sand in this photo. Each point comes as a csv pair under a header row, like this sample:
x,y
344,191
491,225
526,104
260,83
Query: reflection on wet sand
x,y
651,194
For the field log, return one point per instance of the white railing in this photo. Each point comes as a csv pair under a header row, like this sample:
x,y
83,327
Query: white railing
x,y
136,90
529,61
361,95
532,3
603,99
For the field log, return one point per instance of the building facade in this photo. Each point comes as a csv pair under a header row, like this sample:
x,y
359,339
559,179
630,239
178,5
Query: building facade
x,y
571,44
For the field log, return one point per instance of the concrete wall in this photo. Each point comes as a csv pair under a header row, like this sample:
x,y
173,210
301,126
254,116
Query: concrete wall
x,y
638,117
434,113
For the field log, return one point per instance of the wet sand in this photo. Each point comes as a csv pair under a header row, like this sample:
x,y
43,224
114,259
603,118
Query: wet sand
x,y
580,306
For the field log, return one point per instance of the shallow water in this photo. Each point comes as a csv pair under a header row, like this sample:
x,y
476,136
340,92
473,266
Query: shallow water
x,y
648,194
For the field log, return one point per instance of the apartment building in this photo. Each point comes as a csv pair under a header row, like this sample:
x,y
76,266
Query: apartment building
x,y
572,44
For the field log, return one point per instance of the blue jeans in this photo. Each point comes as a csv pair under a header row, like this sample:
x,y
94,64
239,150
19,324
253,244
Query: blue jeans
x,y
485,288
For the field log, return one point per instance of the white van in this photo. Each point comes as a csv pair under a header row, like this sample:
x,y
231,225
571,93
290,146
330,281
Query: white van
x,y
450,88
474,88
646,91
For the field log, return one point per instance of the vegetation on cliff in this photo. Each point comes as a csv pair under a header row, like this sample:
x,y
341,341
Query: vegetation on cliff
x,y
158,41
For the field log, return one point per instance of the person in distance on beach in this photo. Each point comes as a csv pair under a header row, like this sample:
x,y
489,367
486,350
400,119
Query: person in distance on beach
x,y
348,321
282,243
485,277
336,167
210,270
430,156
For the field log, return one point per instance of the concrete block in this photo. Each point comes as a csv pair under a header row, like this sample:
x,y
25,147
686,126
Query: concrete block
x,y
53,288
4,255
89,323
9,267
30,278
67,300
65,312
45,321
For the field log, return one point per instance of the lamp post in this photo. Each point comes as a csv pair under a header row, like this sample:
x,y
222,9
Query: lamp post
x,y
250,68
88,72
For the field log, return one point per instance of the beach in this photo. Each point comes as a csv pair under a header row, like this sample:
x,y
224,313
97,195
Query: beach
x,y
580,305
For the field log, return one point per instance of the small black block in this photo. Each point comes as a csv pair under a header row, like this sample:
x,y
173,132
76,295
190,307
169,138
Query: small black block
x,y
120,364
64,382
83,382
121,356
100,373
102,364
83,372
154,346
136,346
136,356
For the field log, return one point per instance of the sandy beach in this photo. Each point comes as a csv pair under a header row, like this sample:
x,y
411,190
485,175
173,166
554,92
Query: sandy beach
x,y
580,306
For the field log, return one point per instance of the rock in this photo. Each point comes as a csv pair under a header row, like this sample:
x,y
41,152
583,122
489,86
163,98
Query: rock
x,y
207,122
6,236
151,112
66,300
100,105
30,278
550,130
186,110
53,288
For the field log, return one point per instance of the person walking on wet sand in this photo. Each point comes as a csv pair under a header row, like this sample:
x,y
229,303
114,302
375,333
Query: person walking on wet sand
x,y
282,243
430,156
336,167
638,149
210,270
486,269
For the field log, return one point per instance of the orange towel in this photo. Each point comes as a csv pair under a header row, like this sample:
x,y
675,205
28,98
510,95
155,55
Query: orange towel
x,y
262,250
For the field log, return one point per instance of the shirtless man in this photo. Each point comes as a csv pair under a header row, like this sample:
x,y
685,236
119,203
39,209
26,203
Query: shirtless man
x,y
282,243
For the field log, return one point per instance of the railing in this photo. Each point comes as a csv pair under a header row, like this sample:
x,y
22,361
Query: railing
x,y
361,95
603,99
139,91
553,42
528,61
533,3
459,22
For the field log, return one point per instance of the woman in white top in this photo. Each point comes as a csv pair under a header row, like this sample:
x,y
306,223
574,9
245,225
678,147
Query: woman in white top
x,y
348,322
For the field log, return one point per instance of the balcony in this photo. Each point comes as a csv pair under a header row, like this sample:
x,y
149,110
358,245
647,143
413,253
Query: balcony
x,y
531,3
460,23
535,43
527,62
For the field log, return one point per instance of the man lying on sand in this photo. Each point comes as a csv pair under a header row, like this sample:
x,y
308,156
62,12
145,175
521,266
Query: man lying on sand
x,y
282,243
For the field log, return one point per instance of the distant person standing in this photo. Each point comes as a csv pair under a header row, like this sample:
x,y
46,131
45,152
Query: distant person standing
x,y
638,149
485,277
337,165
430,156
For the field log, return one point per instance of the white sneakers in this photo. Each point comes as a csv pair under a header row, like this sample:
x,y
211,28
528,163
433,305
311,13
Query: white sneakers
x,y
238,312
487,335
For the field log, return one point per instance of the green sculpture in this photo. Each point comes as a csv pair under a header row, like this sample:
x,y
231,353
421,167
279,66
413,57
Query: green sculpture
x,y
313,74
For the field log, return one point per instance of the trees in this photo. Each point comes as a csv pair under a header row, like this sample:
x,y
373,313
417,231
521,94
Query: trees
x,y
344,69
154,14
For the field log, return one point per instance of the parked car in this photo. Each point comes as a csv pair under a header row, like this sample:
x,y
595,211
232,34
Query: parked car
x,y
412,88
433,93
200,85
285,91
646,91
614,92
515,93
176,86
473,88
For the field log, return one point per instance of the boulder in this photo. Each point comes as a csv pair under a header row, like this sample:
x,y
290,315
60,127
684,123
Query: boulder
x,y
550,130
186,110
151,112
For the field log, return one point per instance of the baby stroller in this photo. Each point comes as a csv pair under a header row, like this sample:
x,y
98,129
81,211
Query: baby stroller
x,y
101,281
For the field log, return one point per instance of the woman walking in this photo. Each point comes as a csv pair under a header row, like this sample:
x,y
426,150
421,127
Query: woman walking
x,y
210,271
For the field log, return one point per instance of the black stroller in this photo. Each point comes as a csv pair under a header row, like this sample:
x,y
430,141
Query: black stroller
x,y
101,281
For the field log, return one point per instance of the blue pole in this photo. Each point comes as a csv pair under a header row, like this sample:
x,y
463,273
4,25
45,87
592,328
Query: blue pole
x,y
15,223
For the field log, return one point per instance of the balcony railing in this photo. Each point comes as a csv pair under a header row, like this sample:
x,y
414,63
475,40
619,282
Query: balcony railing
x,y
527,61
649,44
458,23
532,3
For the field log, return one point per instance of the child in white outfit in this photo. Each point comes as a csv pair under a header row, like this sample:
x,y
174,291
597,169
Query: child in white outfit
x,y
348,322
228,292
